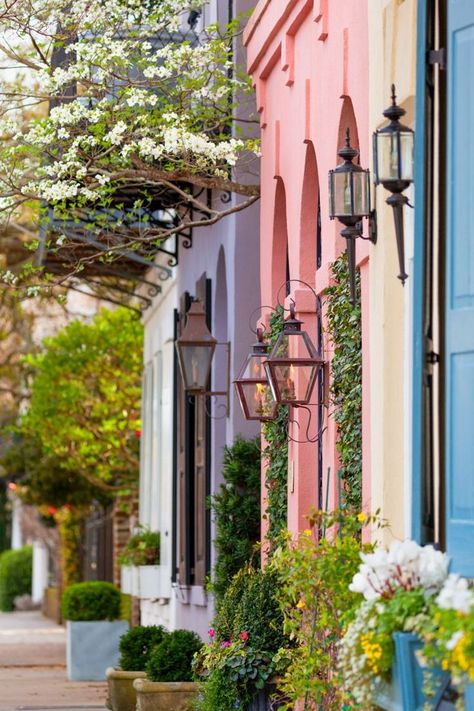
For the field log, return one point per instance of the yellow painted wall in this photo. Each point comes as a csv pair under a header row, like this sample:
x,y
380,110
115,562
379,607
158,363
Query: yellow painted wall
x,y
392,59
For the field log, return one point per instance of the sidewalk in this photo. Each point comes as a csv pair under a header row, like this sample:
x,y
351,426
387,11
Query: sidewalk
x,y
33,668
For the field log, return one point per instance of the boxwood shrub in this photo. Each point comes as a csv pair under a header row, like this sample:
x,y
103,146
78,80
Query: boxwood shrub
x,y
172,659
137,644
16,568
96,600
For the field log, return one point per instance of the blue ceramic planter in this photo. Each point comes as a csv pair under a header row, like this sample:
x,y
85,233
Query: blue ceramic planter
x,y
469,697
405,692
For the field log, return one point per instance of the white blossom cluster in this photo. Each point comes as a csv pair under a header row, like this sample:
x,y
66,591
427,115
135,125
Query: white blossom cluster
x,y
405,564
456,594
130,92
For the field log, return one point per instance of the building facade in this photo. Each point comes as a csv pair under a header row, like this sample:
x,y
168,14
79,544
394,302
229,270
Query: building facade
x,y
309,64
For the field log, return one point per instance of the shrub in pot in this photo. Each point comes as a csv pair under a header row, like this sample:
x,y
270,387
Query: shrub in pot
x,y
169,685
135,649
92,611
237,665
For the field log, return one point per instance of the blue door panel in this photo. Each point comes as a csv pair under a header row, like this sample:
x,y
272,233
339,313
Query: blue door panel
x,y
460,288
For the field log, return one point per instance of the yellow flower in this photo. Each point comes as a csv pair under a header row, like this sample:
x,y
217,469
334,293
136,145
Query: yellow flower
x,y
361,517
301,604
307,532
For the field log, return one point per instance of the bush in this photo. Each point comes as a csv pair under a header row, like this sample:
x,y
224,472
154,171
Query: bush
x,y
136,646
16,568
248,632
95,600
143,548
249,605
236,510
172,659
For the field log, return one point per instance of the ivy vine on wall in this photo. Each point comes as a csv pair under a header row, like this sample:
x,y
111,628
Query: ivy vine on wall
x,y
344,327
276,454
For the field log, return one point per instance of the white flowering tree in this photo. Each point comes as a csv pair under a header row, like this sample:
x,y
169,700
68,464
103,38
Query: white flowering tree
x,y
119,124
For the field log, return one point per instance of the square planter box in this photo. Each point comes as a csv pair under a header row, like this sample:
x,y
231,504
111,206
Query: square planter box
x,y
405,692
129,580
92,647
469,697
154,582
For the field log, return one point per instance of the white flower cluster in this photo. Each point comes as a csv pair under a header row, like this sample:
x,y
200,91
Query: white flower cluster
x,y
456,594
405,564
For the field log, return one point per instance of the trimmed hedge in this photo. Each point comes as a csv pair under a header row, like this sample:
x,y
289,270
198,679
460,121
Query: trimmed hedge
x,y
96,600
172,659
136,645
16,570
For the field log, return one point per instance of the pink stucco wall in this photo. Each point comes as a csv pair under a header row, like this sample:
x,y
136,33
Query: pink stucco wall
x,y
309,63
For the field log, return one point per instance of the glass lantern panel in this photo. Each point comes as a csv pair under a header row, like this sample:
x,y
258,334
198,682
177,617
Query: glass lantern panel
x,y
258,399
407,147
361,193
341,186
295,382
254,369
196,363
387,157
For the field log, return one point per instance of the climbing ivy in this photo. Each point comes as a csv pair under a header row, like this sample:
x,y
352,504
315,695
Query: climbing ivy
x,y
344,327
276,454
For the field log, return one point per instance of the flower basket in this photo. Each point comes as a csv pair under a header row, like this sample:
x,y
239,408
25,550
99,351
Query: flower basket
x,y
405,692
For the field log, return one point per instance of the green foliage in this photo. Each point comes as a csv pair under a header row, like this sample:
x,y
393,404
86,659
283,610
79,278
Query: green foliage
x,y
248,631
69,521
136,646
143,548
15,576
4,517
95,600
313,575
276,455
88,428
172,659
236,509
344,327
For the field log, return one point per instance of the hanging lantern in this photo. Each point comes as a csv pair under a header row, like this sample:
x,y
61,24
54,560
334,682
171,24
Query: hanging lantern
x,y
349,202
293,365
252,386
394,166
195,348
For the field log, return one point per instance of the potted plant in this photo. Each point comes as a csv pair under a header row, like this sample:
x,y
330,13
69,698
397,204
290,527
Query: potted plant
x,y
142,574
135,649
169,684
92,611
237,666
379,655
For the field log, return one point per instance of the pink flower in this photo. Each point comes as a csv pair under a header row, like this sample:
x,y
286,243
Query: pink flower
x,y
225,644
244,636
211,632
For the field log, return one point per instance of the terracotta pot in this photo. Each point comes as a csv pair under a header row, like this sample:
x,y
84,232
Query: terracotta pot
x,y
121,694
164,695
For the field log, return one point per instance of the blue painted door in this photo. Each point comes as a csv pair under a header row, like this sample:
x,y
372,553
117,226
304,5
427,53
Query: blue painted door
x,y
460,288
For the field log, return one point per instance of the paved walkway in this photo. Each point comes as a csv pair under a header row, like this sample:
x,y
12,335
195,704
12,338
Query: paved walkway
x,y
33,668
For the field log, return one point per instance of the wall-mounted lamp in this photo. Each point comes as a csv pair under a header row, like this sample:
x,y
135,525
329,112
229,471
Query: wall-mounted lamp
x,y
253,389
349,202
195,348
293,365
394,165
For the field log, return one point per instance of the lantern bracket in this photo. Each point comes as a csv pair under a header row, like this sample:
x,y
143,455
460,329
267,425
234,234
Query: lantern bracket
x,y
220,393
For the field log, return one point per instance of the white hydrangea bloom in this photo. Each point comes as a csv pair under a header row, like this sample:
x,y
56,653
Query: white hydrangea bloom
x,y
456,594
